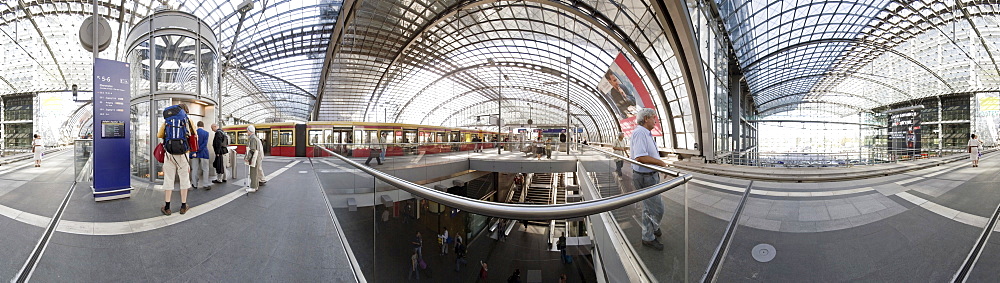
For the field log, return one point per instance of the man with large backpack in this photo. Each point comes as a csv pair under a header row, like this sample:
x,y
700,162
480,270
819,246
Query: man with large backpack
x,y
174,132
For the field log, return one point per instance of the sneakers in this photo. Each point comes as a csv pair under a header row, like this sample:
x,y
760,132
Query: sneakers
x,y
653,244
250,190
165,210
657,233
216,182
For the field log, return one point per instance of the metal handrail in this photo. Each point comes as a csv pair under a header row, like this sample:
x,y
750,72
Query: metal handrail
x,y
519,211
629,160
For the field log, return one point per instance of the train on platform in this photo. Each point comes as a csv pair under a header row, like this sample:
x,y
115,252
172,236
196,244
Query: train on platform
x,y
299,139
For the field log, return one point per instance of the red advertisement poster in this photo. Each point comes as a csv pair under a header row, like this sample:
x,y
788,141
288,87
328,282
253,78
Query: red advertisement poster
x,y
624,87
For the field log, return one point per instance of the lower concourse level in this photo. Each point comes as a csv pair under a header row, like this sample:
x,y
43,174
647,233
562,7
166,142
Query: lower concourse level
x,y
302,226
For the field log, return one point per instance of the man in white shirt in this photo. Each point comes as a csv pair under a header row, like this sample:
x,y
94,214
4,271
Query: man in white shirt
x,y
644,151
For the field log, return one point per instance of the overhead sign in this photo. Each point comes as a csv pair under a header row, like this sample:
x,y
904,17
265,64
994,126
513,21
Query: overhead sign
x,y
111,128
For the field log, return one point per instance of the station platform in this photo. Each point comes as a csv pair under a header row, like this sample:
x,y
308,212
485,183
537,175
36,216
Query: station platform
x,y
912,226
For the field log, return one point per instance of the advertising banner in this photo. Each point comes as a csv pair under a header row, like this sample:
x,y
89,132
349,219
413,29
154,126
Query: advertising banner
x,y
111,130
988,118
904,133
622,85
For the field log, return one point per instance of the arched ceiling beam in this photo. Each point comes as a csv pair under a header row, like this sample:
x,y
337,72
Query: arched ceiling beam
x,y
296,87
855,107
348,11
982,40
858,42
779,83
811,92
528,66
45,41
456,112
542,92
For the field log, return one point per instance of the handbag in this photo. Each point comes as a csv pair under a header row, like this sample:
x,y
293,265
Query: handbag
x,y
193,142
423,265
158,152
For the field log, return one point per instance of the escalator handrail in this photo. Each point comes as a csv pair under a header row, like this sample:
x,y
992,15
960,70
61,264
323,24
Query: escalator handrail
x,y
519,211
629,160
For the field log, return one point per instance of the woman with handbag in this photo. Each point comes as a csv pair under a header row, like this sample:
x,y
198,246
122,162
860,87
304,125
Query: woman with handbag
x,y
974,148
36,149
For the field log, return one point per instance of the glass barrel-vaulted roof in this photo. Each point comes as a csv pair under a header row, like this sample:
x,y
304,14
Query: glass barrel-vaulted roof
x,y
279,39
448,62
850,56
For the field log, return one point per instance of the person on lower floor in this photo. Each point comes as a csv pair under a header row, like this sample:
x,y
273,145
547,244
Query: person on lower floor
x,y
255,158
561,245
199,160
413,266
220,145
444,241
644,150
459,254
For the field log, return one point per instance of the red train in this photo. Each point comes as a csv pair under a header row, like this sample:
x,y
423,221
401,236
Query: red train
x,y
298,140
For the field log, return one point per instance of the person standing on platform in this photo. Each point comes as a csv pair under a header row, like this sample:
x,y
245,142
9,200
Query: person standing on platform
x,y
254,158
36,149
644,150
548,148
174,131
199,160
385,147
459,254
220,144
619,148
418,245
975,145
444,241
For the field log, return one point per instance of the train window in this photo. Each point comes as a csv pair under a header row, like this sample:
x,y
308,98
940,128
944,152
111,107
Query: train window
x,y
410,136
328,136
315,136
232,137
241,137
286,138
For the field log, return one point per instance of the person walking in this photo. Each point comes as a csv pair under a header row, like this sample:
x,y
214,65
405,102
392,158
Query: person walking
x,y
619,149
220,145
199,160
561,245
975,146
174,131
254,158
36,149
375,152
644,151
413,266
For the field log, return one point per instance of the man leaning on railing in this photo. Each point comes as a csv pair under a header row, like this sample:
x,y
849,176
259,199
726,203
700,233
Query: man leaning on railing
x,y
644,150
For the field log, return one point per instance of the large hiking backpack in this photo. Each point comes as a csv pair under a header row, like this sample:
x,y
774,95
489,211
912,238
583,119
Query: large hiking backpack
x,y
175,131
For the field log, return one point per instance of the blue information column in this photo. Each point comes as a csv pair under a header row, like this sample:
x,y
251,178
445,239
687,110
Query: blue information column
x,y
111,130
